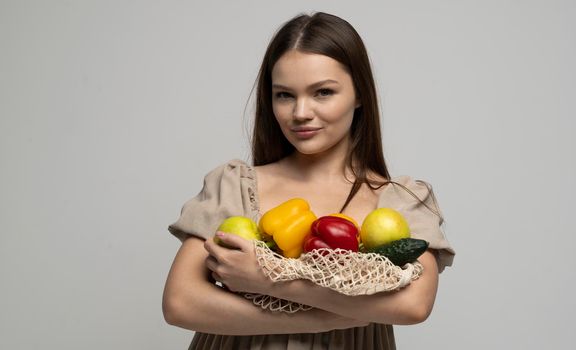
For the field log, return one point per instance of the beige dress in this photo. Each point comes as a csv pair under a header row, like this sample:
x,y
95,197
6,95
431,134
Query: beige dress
x,y
231,189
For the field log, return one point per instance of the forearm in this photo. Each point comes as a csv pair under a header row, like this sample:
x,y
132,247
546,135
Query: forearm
x,y
192,302
410,305
228,313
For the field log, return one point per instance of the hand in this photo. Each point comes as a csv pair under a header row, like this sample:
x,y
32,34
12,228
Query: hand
x,y
236,267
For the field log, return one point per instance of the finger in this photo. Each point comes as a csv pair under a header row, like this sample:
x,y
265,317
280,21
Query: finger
x,y
216,277
234,241
213,248
211,263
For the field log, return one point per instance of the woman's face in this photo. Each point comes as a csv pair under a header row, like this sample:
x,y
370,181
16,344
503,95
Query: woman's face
x,y
313,100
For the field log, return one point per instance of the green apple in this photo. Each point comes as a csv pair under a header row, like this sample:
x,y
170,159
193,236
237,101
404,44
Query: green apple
x,y
240,226
382,226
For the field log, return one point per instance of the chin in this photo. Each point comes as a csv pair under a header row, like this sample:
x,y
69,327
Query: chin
x,y
314,146
310,150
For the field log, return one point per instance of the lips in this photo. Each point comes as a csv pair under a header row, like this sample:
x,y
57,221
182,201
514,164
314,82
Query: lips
x,y
305,132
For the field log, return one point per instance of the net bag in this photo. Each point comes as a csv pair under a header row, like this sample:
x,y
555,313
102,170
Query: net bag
x,y
344,271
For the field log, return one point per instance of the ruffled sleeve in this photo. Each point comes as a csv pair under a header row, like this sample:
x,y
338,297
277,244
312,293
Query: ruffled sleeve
x,y
229,190
425,221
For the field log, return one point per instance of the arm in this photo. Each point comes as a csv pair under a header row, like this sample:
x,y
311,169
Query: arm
x,y
191,301
238,269
410,305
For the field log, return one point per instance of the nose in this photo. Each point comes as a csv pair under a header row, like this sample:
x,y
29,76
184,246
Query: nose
x,y
302,110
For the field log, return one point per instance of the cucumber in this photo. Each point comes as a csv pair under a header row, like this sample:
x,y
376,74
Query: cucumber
x,y
402,251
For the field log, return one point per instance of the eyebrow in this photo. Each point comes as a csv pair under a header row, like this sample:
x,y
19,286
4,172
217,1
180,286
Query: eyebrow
x,y
312,86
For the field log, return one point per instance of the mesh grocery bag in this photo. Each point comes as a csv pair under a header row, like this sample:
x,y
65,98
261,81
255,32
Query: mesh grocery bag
x,y
344,271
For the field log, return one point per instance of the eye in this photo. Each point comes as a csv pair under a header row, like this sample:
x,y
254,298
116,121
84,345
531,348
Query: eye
x,y
325,92
282,95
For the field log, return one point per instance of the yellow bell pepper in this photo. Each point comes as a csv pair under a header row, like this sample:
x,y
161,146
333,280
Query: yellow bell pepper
x,y
288,224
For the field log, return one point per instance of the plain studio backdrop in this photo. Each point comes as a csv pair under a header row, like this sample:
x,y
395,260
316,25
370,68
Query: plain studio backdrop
x,y
112,112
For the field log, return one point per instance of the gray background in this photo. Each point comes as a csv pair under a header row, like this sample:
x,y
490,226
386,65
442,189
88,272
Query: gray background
x,y
111,112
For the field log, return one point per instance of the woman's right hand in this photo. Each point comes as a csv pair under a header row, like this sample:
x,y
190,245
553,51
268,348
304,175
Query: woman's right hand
x,y
236,266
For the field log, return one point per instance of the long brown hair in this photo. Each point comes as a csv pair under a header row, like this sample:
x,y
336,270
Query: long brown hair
x,y
331,36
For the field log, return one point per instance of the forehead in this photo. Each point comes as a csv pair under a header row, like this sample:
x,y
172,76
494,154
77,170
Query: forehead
x,y
296,68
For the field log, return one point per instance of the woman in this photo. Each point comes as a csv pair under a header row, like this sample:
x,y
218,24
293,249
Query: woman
x,y
316,136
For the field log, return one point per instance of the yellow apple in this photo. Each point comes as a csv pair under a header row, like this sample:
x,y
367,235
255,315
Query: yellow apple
x,y
382,226
240,226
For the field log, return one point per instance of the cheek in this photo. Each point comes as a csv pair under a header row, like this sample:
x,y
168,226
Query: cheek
x,y
282,113
278,113
340,113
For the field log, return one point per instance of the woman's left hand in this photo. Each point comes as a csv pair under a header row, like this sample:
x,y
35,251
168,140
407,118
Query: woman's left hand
x,y
236,267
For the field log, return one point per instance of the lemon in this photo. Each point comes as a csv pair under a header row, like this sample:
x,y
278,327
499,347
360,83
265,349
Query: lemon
x,y
382,226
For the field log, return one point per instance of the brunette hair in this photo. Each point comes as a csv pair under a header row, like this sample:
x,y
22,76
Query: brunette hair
x,y
328,35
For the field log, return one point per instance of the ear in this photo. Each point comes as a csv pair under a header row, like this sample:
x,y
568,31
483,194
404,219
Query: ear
x,y
358,103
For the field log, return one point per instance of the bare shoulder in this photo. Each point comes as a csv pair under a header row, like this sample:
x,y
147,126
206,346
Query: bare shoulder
x,y
268,174
272,185
266,168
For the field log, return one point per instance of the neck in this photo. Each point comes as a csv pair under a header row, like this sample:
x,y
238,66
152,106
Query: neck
x,y
328,166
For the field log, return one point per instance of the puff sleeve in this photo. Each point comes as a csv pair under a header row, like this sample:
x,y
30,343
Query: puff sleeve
x,y
423,222
228,190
